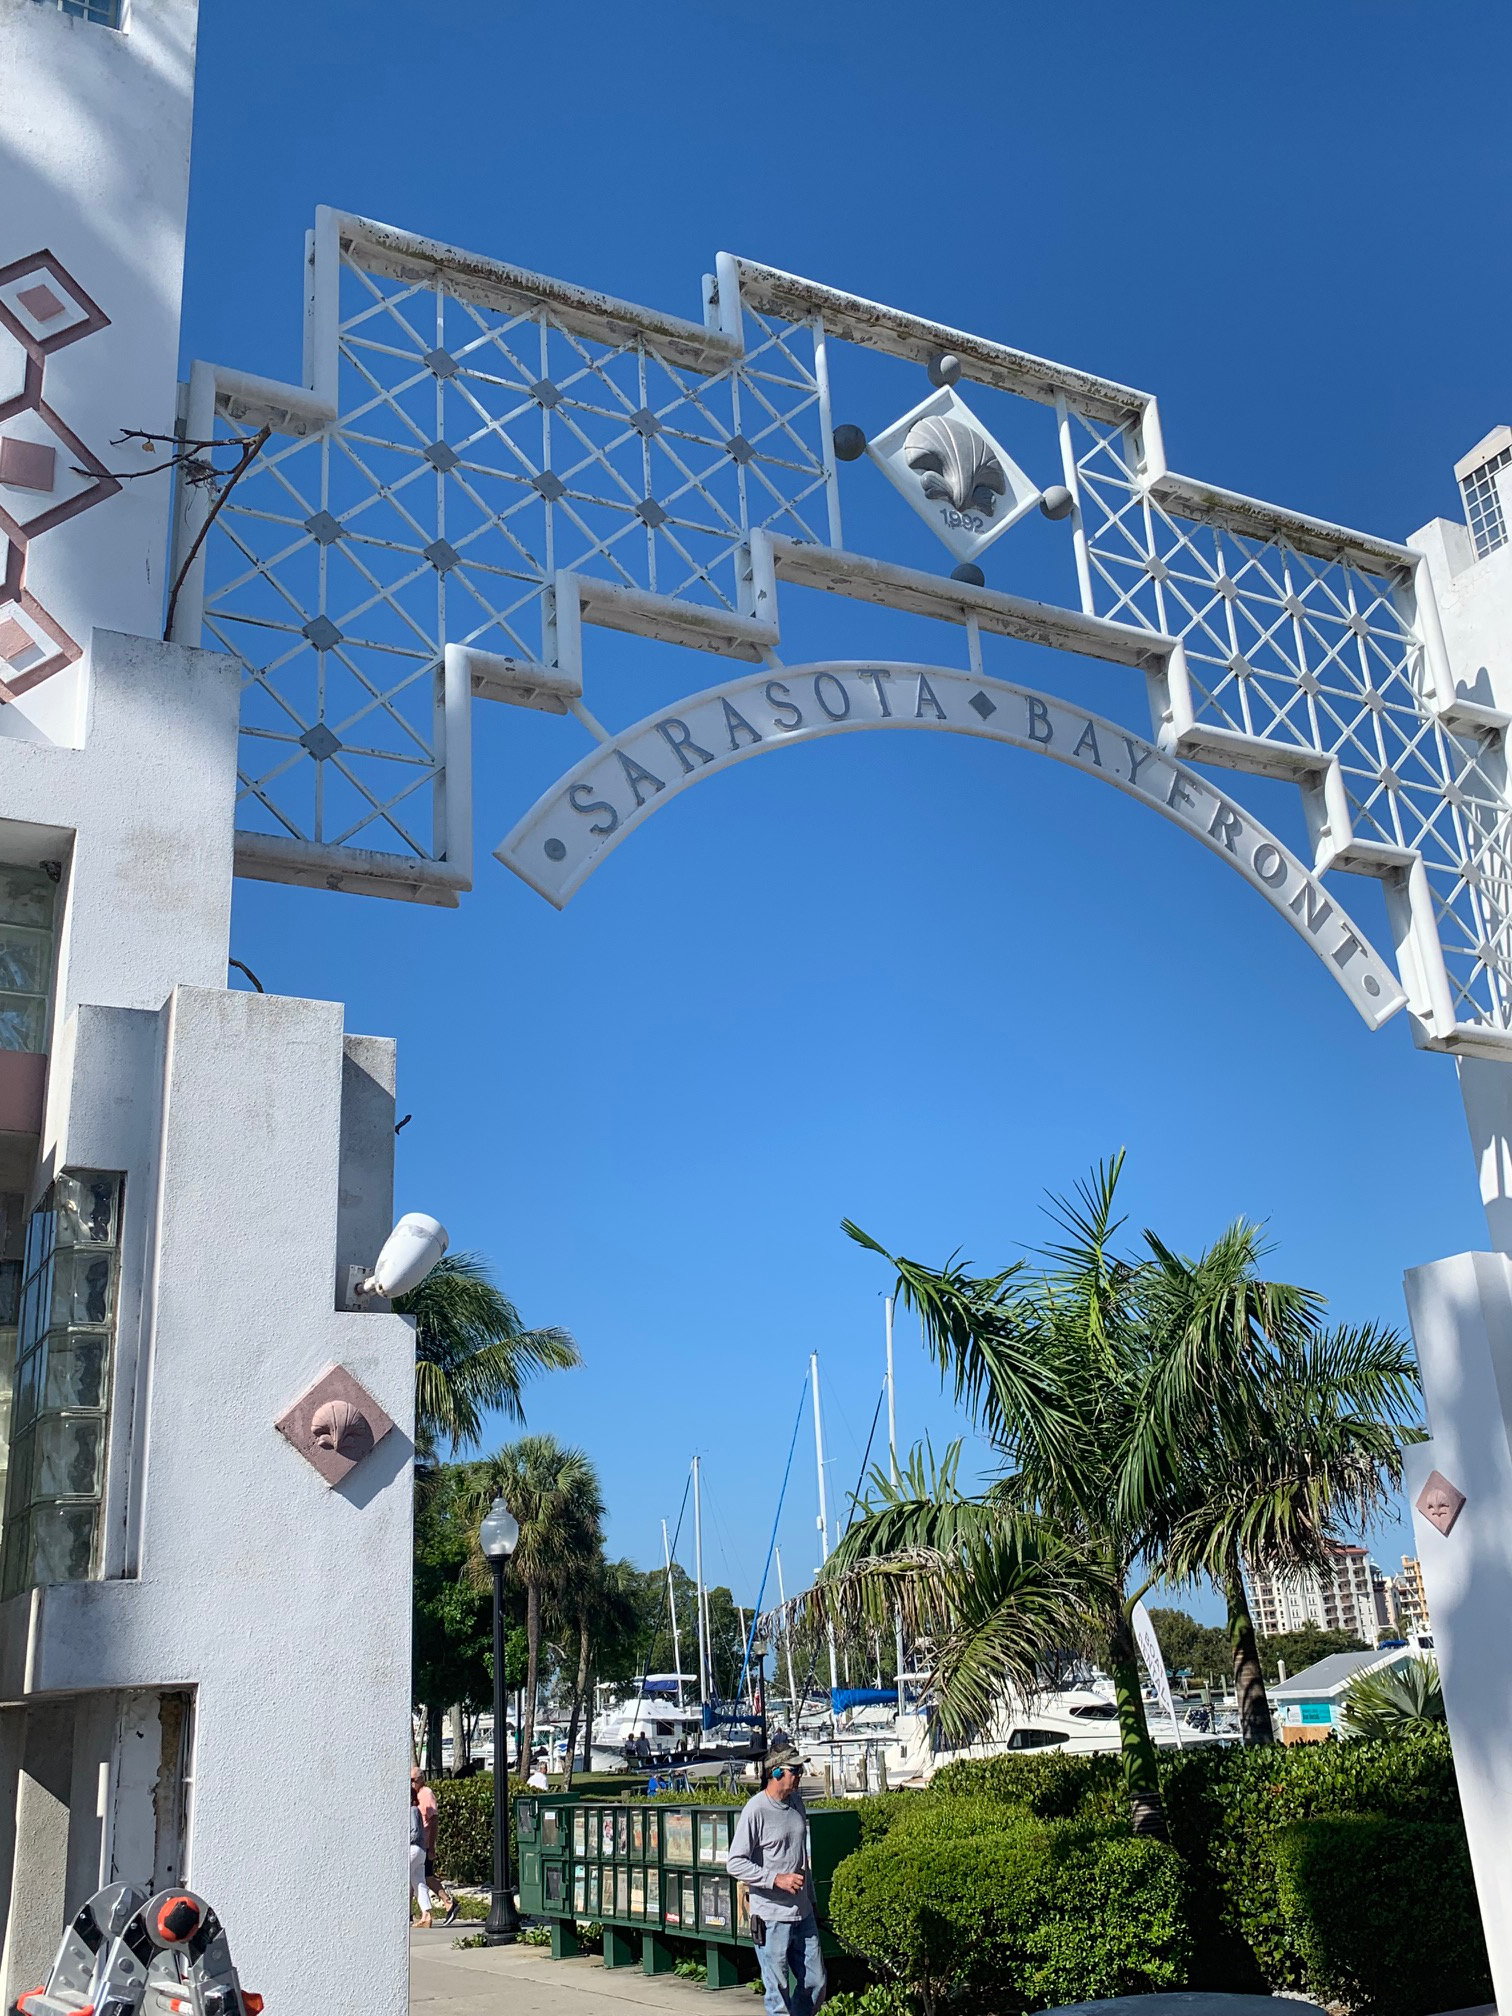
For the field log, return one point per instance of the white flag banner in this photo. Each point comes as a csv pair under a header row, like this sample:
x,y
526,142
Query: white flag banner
x,y
1149,1651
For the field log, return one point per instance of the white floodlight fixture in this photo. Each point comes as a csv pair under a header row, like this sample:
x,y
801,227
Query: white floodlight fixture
x,y
499,1534
409,1253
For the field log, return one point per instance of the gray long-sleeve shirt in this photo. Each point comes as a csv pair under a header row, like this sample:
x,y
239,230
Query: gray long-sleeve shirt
x,y
771,1839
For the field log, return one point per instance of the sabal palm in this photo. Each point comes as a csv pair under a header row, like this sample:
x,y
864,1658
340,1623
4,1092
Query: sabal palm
x,y
555,1498
1262,1432
472,1352
1389,1705
590,1603
1052,1364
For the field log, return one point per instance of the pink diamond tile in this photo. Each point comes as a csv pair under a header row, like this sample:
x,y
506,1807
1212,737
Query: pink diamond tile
x,y
14,641
334,1424
29,465
40,302
1440,1502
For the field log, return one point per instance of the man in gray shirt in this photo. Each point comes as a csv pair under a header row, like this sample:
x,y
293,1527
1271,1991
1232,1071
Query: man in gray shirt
x,y
770,1855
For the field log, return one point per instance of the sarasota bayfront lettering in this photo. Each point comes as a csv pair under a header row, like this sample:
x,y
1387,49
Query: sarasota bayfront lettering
x,y
622,782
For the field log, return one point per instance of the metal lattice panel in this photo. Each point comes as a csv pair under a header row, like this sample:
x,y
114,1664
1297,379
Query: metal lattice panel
x,y
1288,649
478,453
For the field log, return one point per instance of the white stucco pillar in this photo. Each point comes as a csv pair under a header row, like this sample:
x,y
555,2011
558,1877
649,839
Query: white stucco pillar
x,y
1486,1088
39,1870
1461,1312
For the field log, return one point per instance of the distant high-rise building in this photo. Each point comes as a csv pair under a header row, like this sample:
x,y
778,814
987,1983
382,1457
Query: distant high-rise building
x,y
1338,1597
1412,1598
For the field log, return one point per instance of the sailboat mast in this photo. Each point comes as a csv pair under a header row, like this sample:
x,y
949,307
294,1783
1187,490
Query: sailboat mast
x,y
892,1467
672,1606
787,1638
823,1513
703,1636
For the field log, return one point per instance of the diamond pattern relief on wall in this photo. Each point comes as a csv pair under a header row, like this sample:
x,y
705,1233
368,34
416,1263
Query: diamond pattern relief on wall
x,y
47,474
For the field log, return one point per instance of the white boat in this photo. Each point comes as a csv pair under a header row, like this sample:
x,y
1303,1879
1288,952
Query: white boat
x,y
875,1744
654,1711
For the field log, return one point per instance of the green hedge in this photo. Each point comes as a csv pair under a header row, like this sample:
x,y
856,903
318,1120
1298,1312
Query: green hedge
x,y
1229,1811
1050,1786
464,1828
1229,1807
968,1904
1383,1914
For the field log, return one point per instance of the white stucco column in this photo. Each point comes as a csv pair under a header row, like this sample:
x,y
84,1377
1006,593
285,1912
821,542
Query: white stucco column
x,y
1461,1312
39,1871
1486,1088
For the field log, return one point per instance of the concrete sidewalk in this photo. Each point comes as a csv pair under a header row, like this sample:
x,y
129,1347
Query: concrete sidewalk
x,y
487,1979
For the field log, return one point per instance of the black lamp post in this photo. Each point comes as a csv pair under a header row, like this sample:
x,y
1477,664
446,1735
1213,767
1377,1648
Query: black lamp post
x,y
498,1537
759,1649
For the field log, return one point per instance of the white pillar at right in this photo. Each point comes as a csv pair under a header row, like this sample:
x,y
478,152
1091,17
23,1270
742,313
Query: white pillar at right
x,y
1461,1315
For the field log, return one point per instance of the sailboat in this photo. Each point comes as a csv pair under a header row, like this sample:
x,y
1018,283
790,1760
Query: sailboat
x,y
654,1724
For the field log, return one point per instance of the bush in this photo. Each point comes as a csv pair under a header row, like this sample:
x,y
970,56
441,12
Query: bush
x,y
464,1828
1124,1926
1050,1785
1382,1914
1229,1807
968,1903
885,1810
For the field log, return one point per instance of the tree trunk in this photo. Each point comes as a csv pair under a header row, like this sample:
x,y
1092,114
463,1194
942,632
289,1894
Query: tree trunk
x,y
1140,1770
577,1696
532,1668
588,1726
1255,1725
433,1727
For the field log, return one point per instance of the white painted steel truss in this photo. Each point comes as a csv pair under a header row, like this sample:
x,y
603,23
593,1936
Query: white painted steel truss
x,y
482,459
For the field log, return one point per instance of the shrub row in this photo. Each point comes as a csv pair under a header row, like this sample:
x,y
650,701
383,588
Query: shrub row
x,y
1313,1868
1382,1913
464,1827
971,1904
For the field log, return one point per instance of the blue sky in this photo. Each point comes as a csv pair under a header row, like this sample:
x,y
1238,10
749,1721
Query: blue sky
x,y
913,980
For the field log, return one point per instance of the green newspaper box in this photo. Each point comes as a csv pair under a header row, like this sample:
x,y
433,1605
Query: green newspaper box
x,y
653,1869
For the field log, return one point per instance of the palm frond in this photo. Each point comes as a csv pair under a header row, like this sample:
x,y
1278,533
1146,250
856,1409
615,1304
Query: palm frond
x,y
1387,1705
989,1343
472,1353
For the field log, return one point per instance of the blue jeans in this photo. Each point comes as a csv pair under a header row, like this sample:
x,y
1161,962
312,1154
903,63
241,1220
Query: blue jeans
x,y
792,1944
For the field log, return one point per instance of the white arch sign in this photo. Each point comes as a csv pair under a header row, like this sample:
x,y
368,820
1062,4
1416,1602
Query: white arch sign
x,y
580,821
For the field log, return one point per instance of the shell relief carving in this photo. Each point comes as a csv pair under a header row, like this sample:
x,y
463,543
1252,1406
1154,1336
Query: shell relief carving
x,y
956,465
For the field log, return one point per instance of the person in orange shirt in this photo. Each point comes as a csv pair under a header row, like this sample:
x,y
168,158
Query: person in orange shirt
x,y
425,1799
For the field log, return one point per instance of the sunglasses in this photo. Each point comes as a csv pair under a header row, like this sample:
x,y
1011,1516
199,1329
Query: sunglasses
x,y
780,1771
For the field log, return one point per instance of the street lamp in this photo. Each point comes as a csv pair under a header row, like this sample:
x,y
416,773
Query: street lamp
x,y
759,1650
498,1536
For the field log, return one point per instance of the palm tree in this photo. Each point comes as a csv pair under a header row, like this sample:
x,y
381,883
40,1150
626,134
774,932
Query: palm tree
x,y
472,1352
1261,1433
994,1591
1052,1366
591,1602
1387,1705
555,1497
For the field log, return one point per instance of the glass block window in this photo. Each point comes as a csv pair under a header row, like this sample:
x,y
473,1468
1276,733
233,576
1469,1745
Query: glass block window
x,y
27,900
70,1269
1483,510
104,13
